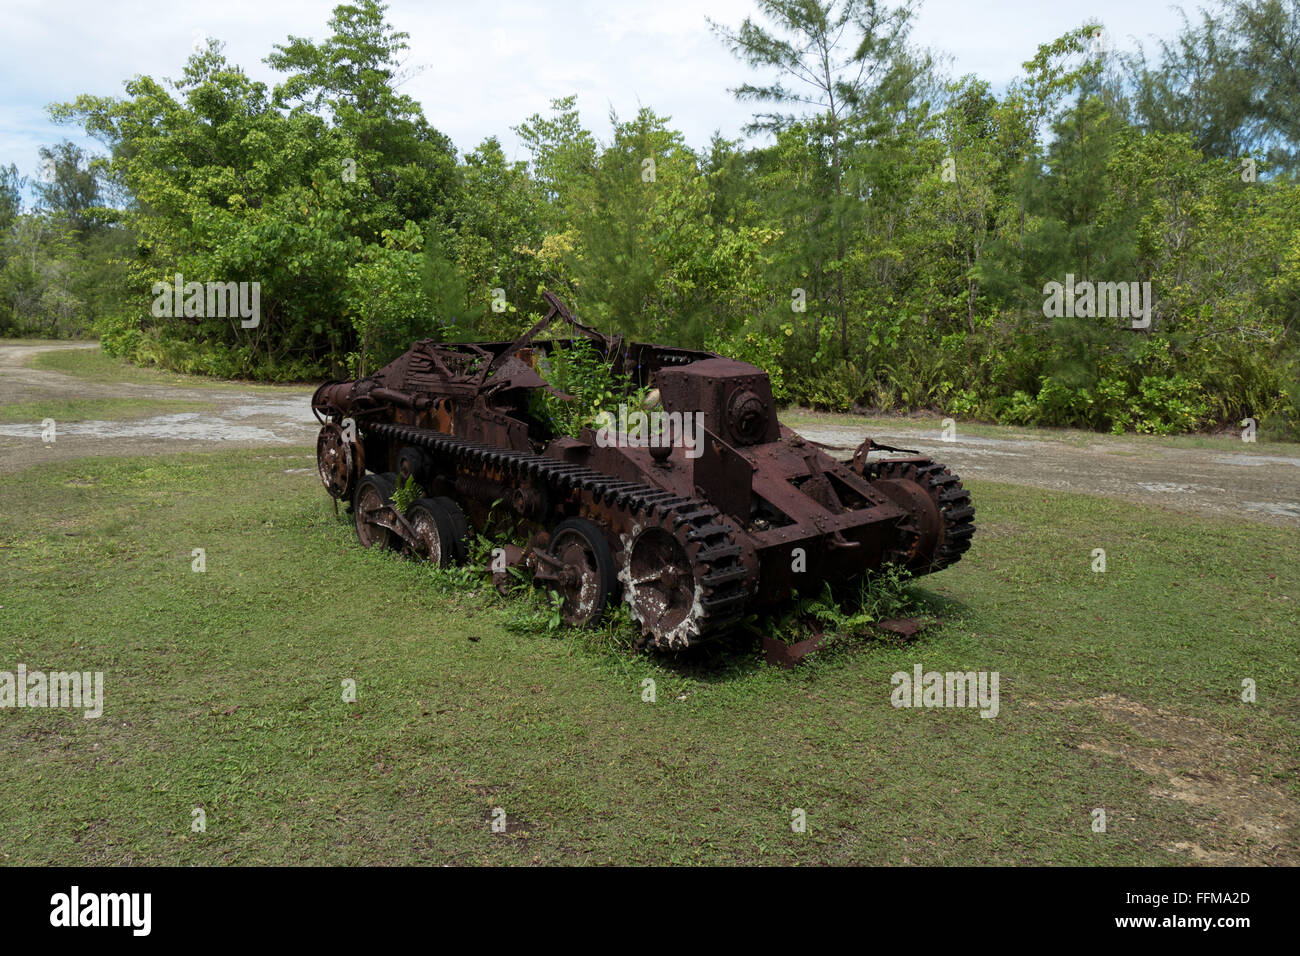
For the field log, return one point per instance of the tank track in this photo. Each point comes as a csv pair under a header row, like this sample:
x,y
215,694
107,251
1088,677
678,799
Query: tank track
x,y
717,569
952,500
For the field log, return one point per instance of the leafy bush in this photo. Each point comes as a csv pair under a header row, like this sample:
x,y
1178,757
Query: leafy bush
x,y
965,402
827,390
1019,409
1165,406
587,377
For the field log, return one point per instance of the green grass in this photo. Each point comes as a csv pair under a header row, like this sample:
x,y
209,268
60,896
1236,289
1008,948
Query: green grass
x,y
98,409
223,691
800,417
93,365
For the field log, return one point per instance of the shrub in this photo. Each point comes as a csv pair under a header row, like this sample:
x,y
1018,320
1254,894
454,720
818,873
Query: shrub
x,y
1019,409
581,372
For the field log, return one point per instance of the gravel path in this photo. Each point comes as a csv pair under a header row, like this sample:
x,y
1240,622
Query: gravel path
x,y
1251,484
237,418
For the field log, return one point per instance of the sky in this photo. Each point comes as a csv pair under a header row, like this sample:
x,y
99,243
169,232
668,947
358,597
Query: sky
x,y
482,66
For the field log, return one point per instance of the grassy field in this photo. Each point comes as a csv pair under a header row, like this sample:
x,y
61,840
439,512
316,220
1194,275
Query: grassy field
x,y
99,409
1118,690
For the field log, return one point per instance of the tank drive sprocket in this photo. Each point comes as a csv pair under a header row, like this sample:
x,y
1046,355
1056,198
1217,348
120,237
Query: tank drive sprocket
x,y
681,575
941,512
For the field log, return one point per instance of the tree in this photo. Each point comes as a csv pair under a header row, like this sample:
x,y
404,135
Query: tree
x,y
1231,79
69,184
11,196
837,57
1201,85
231,184
352,78
563,158
1270,32
496,217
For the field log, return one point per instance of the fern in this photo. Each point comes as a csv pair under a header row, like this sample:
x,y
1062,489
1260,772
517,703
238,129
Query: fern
x,y
407,493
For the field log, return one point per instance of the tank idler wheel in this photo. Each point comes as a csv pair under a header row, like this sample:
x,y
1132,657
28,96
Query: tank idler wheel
x,y
374,513
337,462
582,571
940,516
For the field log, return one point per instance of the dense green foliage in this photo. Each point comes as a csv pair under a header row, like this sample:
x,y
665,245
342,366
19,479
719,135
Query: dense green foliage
x,y
887,243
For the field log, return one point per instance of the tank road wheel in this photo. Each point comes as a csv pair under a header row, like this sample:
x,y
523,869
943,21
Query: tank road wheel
x,y
336,462
374,497
588,578
459,527
412,463
436,540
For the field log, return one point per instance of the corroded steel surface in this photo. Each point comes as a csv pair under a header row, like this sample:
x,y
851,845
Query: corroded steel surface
x,y
691,535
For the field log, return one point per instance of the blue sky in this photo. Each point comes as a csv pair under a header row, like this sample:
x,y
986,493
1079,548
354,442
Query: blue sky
x,y
483,65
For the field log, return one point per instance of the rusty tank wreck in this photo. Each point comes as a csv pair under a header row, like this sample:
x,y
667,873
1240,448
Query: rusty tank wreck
x,y
693,535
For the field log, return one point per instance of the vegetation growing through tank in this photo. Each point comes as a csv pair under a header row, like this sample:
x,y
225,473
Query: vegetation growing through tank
x,y
882,595
580,371
407,493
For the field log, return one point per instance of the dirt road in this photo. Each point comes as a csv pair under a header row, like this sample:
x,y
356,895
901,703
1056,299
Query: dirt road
x,y
1249,483
235,418
1246,481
